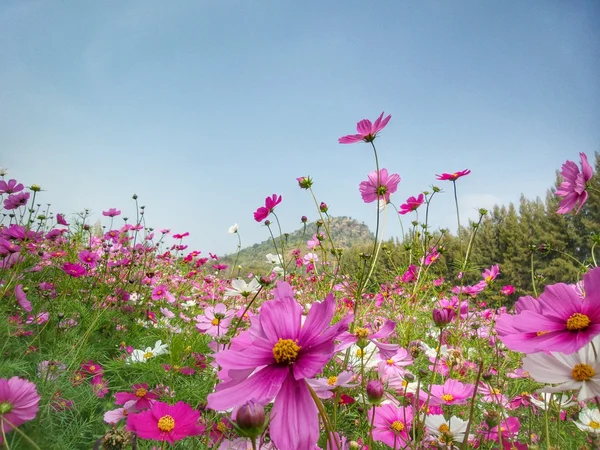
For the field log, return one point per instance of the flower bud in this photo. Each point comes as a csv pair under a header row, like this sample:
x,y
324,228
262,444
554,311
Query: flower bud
x,y
323,207
443,316
304,182
35,188
267,222
250,419
375,391
303,219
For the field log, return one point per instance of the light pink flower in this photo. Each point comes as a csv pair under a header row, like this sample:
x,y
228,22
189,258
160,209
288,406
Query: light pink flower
x,y
374,189
392,424
19,402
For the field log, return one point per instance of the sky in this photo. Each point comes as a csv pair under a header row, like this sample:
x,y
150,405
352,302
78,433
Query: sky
x,y
204,108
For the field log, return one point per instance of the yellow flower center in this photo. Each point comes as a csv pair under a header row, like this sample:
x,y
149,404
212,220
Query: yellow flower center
x,y
221,427
593,424
397,426
286,351
92,368
141,393
215,321
525,394
148,355
583,372
444,428
494,391
390,362
578,322
359,353
447,397
361,333
331,381
166,423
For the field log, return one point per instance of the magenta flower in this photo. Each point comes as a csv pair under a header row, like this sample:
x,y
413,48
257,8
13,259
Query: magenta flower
x,y
19,403
74,270
411,204
272,360
374,189
88,257
60,219
164,422
22,298
453,176
112,212
10,187
392,424
367,131
432,256
270,203
573,189
508,289
140,398
490,274
559,321
15,201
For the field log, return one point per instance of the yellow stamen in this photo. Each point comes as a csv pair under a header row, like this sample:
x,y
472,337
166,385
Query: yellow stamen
x,y
221,427
541,333
447,397
390,362
583,372
286,351
444,428
578,322
141,393
331,381
593,424
215,322
166,423
397,426
361,333
148,355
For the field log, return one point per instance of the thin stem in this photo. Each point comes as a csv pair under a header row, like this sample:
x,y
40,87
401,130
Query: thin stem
x,y
472,410
457,217
533,277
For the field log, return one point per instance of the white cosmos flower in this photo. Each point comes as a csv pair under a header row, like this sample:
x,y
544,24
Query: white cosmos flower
x,y
368,354
577,371
188,304
149,352
233,228
274,259
446,431
589,420
240,287
562,401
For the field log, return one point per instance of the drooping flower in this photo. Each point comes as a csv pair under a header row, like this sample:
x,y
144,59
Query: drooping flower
x,y
270,203
10,187
14,201
60,219
559,321
272,360
412,203
22,298
19,402
453,176
164,422
392,424
580,370
573,188
233,228
367,131
374,188
362,336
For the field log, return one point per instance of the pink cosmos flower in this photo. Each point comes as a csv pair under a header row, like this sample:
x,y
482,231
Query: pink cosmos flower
x,y
140,397
60,219
392,424
112,212
114,416
74,270
432,256
14,201
367,131
270,203
393,367
364,335
22,298
508,289
10,187
323,387
452,392
164,422
88,257
373,189
453,176
215,321
559,321
159,292
411,204
573,189
490,274
19,402
508,428
272,360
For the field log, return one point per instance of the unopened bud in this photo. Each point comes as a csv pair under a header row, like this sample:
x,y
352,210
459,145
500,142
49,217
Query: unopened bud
x,y
250,419
375,391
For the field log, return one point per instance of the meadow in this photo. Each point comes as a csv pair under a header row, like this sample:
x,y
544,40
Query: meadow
x,y
122,337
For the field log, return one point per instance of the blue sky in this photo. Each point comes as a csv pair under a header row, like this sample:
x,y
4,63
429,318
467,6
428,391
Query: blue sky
x,y
205,108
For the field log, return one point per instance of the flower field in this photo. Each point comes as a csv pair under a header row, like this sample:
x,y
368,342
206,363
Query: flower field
x,y
122,337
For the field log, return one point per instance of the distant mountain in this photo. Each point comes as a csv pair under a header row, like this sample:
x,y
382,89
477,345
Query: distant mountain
x,y
346,233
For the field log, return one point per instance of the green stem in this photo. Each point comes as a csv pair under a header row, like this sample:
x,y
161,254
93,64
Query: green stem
x,y
457,217
533,277
472,410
